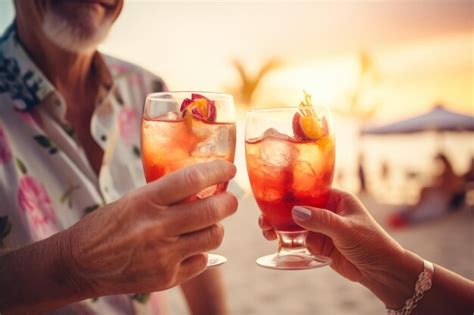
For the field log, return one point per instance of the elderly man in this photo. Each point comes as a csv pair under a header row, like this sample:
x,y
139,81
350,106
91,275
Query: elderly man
x,y
74,233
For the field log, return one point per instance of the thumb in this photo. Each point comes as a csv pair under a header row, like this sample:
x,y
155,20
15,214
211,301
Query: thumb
x,y
319,220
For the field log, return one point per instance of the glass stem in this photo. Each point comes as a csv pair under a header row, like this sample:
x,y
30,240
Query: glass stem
x,y
291,241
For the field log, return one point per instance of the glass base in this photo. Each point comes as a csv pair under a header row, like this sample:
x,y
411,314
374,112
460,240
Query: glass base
x,y
292,253
214,260
293,260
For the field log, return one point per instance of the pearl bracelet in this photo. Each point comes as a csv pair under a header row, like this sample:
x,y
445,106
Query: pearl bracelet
x,y
422,285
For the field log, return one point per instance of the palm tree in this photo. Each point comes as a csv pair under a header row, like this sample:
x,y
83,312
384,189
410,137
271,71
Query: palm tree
x,y
368,76
244,92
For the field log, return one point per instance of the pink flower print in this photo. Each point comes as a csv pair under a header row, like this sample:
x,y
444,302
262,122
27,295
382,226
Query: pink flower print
x,y
128,125
37,208
5,154
27,118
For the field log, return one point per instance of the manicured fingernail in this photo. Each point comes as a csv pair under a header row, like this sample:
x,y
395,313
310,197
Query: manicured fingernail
x,y
301,214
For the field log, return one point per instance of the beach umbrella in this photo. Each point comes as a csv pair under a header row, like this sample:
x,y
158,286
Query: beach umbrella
x,y
438,119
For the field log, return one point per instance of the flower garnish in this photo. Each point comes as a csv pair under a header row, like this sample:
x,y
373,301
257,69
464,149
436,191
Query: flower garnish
x,y
198,107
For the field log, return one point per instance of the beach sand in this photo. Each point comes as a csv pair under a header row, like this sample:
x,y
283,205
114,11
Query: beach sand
x,y
255,290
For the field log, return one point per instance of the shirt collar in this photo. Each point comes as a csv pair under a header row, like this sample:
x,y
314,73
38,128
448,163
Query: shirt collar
x,y
19,75
26,83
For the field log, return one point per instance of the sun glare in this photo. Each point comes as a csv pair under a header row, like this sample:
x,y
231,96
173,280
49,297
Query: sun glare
x,y
326,81
409,78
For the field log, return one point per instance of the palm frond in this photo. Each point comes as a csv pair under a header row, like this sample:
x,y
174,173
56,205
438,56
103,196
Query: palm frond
x,y
246,88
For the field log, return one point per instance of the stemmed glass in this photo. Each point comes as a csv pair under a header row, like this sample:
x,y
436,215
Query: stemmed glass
x,y
290,155
180,129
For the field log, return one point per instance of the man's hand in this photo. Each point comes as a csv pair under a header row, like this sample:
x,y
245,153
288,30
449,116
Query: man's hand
x,y
150,240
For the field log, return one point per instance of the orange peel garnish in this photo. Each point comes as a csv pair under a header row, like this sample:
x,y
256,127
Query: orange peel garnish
x,y
306,125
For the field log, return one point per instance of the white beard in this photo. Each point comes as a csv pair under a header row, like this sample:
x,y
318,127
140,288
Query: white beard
x,y
72,37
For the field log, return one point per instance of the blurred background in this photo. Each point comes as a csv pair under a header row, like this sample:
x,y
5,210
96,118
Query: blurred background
x,y
398,77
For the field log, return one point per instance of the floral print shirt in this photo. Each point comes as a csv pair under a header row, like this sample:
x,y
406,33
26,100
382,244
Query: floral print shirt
x,y
46,181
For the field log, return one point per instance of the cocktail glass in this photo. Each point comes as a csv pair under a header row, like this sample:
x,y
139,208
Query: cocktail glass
x,y
180,129
290,155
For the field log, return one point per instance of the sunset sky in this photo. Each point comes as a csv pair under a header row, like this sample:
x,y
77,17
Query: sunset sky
x,y
423,50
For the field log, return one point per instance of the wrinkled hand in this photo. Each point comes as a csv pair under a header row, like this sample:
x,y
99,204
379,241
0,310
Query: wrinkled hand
x,y
359,248
150,240
362,251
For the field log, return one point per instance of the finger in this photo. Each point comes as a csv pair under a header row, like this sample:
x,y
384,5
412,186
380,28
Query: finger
x,y
269,235
335,196
188,181
200,241
263,223
315,242
319,244
319,220
342,202
191,267
267,229
189,217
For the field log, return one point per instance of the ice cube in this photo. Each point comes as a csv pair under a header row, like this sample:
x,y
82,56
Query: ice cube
x,y
277,149
205,148
225,141
201,129
273,133
170,116
218,144
310,155
304,176
304,167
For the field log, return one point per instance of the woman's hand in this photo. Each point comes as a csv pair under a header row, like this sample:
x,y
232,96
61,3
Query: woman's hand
x,y
150,240
363,252
359,248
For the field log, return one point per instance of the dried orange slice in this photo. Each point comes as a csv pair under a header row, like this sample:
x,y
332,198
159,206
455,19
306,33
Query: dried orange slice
x,y
306,125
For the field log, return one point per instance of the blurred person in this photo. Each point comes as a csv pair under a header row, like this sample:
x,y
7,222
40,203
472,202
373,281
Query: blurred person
x,y
446,179
69,144
445,194
384,171
469,174
468,178
361,251
468,187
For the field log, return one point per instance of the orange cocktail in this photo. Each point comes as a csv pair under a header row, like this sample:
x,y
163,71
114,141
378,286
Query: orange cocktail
x,y
285,172
290,155
169,145
181,129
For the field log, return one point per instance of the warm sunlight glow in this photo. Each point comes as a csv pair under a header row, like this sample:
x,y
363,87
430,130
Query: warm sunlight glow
x,y
410,78
421,54
326,81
